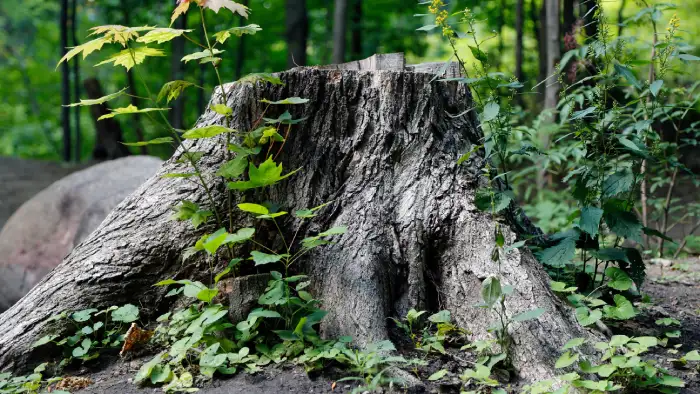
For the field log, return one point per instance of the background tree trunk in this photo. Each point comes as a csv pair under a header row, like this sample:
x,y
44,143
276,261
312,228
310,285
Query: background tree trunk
x,y
540,30
77,146
553,52
378,145
240,51
297,24
340,22
356,31
108,132
65,82
519,19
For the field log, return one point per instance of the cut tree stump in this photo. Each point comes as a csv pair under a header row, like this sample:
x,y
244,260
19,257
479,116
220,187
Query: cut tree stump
x,y
382,145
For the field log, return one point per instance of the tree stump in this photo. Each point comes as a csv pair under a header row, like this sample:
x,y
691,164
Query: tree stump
x,y
381,145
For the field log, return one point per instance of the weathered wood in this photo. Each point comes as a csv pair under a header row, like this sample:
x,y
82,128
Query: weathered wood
x,y
377,144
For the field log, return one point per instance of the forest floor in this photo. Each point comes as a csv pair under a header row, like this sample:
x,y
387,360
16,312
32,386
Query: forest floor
x,y
674,288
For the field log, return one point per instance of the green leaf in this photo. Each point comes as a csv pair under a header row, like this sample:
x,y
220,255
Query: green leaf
x,y
586,317
222,109
619,182
285,118
100,100
127,314
261,258
440,317
561,287
206,132
253,208
501,199
155,141
223,35
583,113
438,375
590,220
233,168
606,370
427,28
491,110
161,374
479,54
576,342
671,381
655,87
185,210
566,359
267,174
202,54
273,295
200,217
131,109
239,236
290,100
610,254
207,295
623,223
43,341
628,75
491,290
687,57
529,315
172,90
132,56
619,280
85,49
560,254
692,356
83,316
667,321
258,77
656,233
161,35
214,241
622,310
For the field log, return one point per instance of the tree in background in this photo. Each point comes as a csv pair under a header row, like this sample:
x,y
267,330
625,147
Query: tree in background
x,y
340,22
297,32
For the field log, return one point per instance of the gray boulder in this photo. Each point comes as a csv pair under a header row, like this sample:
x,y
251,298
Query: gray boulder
x,y
45,229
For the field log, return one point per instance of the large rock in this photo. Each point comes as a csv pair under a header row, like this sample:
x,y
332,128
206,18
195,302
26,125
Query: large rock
x,y
21,179
44,229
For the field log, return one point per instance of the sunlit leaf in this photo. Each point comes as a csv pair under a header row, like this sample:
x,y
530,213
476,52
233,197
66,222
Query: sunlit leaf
x,y
290,100
100,100
86,49
206,132
172,90
132,56
257,77
216,5
238,31
155,141
202,54
161,35
131,109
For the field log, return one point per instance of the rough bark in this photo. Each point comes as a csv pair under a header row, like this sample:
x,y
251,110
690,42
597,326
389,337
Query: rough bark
x,y
380,146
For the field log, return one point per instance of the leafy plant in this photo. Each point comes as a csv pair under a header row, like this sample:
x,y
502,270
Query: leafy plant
x,y
91,331
30,384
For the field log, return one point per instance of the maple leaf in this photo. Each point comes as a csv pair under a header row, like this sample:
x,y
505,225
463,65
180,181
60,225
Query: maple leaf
x,y
131,109
161,35
132,56
216,5
87,48
181,9
118,33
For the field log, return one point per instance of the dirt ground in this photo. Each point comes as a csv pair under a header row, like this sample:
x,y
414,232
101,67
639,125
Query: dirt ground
x,y
674,288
